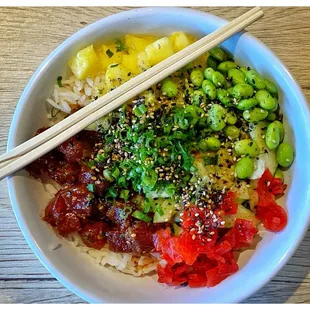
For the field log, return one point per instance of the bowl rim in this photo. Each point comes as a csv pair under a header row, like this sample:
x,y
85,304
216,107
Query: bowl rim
x,y
79,291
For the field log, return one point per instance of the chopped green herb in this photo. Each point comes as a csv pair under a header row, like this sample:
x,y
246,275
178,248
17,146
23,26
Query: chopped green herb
x,y
141,216
109,53
120,46
91,187
59,79
124,194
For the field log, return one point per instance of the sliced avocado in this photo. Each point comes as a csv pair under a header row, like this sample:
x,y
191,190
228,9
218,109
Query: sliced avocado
x,y
177,230
164,210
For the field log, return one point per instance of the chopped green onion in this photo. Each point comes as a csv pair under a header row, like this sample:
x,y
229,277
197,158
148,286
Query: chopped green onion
x,y
170,190
113,192
109,53
120,46
108,175
160,211
124,194
140,109
100,157
147,206
91,164
141,216
91,187
59,79
115,173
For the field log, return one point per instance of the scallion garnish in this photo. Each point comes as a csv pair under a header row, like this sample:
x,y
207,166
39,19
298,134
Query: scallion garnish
x,y
91,187
109,53
141,216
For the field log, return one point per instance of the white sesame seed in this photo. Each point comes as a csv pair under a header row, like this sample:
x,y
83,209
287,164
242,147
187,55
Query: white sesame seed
x,y
194,237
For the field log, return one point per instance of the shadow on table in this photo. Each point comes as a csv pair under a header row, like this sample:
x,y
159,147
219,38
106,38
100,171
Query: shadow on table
x,y
283,287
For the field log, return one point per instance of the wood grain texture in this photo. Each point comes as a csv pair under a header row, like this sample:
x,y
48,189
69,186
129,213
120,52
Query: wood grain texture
x,y
28,35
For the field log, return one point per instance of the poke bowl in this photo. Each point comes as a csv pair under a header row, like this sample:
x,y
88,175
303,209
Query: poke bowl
x,y
85,265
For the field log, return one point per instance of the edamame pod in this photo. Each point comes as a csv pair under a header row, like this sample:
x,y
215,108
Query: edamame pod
x,y
231,118
209,89
247,104
218,79
271,88
196,77
231,132
285,154
281,128
244,168
212,62
225,66
198,97
218,54
247,147
216,117
244,70
255,79
255,115
276,105
208,73
223,96
236,76
272,137
241,91
265,100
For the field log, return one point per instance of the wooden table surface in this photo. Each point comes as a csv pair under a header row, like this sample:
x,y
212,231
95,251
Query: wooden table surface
x,y
28,35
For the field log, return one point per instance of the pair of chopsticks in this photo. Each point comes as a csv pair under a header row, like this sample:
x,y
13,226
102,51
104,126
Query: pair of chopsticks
x,y
29,151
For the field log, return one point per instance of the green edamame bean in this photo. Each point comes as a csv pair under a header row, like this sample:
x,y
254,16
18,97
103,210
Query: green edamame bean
x,y
244,70
285,154
196,77
223,96
247,147
271,88
218,79
247,104
255,79
225,66
208,73
276,105
279,174
218,54
216,117
169,88
212,62
202,145
236,76
230,90
209,89
231,132
272,137
241,91
231,118
281,128
213,143
271,116
198,97
254,115
244,168
265,100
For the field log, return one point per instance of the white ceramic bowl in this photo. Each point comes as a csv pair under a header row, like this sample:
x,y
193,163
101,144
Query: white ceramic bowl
x,y
98,284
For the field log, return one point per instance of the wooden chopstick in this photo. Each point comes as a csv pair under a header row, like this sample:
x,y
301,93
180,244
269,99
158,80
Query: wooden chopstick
x,y
51,138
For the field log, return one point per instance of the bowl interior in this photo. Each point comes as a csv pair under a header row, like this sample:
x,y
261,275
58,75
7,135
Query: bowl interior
x,y
97,284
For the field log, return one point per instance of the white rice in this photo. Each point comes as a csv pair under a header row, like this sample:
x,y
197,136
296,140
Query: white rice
x,y
80,93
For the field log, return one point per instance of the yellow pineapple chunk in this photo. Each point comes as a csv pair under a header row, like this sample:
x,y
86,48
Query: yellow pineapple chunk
x,y
180,40
116,75
136,43
130,62
108,55
143,62
159,50
84,63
